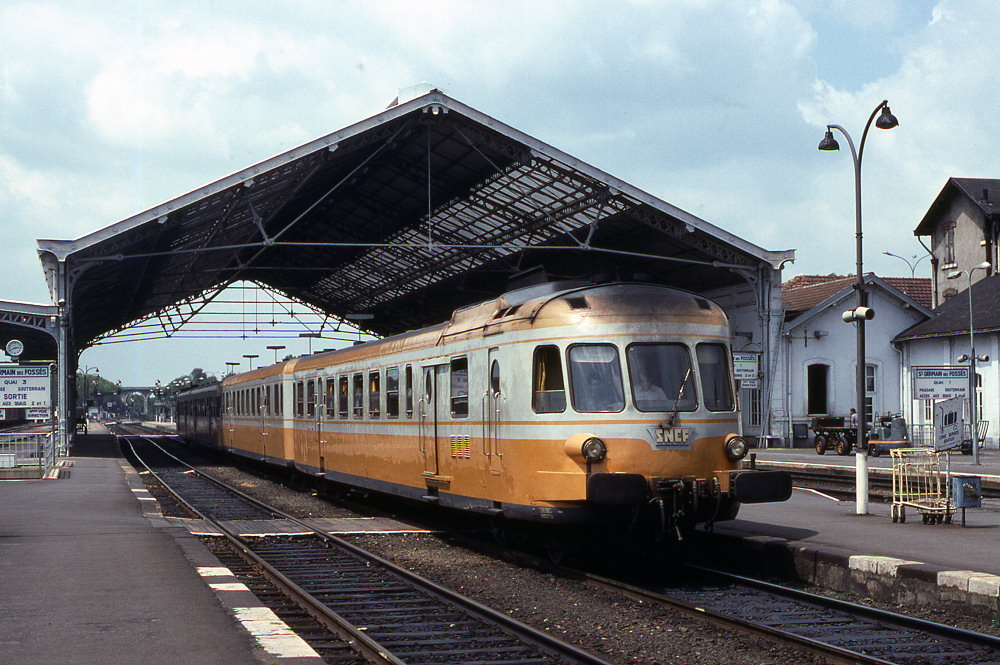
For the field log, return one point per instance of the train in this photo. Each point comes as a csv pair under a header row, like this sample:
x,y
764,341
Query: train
x,y
556,404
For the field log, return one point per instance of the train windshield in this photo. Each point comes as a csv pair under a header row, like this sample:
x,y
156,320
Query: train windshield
x,y
713,366
596,378
660,375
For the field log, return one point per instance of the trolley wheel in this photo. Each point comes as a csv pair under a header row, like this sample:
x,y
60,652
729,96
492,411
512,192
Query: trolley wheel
x,y
894,513
925,519
902,514
940,518
843,447
820,442
873,450
947,518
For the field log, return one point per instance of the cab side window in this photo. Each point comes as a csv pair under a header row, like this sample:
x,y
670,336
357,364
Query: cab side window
x,y
548,389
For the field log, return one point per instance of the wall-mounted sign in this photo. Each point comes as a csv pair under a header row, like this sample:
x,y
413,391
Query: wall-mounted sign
x,y
745,366
24,387
940,382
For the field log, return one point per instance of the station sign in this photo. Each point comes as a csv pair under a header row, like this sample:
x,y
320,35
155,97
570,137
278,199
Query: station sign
x,y
940,382
745,366
949,423
25,387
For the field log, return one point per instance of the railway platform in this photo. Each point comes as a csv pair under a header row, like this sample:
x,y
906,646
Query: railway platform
x,y
827,542
86,577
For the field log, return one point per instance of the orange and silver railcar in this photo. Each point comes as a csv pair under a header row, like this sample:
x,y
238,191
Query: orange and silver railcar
x,y
556,403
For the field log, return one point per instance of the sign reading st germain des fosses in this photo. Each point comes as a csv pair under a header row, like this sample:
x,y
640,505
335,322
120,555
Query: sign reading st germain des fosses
x,y
24,387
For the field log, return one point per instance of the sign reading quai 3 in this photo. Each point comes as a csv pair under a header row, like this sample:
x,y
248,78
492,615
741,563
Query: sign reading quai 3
x,y
24,386
672,436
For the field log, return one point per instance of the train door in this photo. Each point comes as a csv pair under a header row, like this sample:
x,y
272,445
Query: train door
x,y
229,425
262,402
433,377
492,414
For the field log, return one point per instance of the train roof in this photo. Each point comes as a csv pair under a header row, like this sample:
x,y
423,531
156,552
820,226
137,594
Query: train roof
x,y
542,305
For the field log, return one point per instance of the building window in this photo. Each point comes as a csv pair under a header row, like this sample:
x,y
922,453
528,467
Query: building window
x,y
979,397
949,245
871,392
817,388
753,399
928,411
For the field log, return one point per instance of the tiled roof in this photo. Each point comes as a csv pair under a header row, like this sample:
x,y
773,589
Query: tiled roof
x,y
952,317
803,292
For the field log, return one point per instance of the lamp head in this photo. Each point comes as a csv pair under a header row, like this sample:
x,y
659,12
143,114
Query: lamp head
x,y
887,120
828,142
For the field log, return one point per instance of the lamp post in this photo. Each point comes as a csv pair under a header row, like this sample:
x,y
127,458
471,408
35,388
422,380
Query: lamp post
x,y
276,348
861,313
250,357
86,386
912,266
231,365
973,416
311,336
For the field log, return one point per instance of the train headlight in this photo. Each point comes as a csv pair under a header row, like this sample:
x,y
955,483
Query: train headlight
x,y
594,450
736,448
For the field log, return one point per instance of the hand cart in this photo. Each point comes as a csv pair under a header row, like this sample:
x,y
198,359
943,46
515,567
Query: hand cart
x,y
832,433
919,483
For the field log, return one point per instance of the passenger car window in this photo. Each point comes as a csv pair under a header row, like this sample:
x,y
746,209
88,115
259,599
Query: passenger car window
x,y
374,394
548,389
661,376
596,378
311,398
392,392
713,365
342,397
358,396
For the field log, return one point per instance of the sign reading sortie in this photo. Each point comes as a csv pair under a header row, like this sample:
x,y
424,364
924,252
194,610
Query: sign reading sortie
x,y
940,382
25,387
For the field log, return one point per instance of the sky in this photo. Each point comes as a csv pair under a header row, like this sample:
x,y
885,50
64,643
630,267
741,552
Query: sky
x,y
110,108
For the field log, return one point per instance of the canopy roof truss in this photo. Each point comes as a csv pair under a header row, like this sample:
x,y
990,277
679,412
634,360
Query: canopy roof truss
x,y
399,219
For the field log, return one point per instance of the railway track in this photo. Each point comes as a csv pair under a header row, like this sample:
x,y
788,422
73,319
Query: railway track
x,y
837,630
839,480
386,613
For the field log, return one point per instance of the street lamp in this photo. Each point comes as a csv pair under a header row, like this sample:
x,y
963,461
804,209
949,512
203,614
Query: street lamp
x,y
230,364
250,357
276,348
913,265
86,385
885,121
311,336
972,358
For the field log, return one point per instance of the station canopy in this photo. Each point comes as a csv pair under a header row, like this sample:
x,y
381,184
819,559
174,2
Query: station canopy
x,y
393,223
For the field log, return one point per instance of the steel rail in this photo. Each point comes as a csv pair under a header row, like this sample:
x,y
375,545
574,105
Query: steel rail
x,y
539,639
339,626
886,616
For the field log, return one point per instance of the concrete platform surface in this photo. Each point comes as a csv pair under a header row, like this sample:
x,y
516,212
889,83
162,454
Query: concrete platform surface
x,y
813,531
86,578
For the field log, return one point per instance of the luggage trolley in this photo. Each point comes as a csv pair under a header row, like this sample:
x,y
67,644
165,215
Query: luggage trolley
x,y
918,483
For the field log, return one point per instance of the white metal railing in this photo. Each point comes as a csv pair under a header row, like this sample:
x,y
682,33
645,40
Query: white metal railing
x,y
23,449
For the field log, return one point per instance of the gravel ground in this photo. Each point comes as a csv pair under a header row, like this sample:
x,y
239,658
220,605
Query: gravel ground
x,y
617,628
